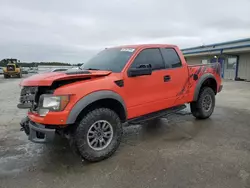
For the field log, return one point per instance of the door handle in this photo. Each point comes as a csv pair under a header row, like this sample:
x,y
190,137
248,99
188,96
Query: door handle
x,y
167,78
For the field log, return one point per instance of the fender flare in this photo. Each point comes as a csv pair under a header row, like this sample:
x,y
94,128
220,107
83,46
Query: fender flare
x,y
202,79
90,98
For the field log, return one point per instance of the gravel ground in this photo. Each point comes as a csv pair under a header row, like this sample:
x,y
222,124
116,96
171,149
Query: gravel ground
x,y
178,152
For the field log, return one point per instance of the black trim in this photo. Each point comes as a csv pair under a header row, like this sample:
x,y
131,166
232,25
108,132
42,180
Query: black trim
x,y
27,97
24,106
119,83
157,114
93,97
60,83
133,72
202,79
38,133
167,78
69,72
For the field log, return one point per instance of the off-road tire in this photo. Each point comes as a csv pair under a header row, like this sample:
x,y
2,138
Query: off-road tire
x,y
80,135
197,108
6,76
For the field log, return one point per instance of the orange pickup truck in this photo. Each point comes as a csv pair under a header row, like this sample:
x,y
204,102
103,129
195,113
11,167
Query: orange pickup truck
x,y
133,84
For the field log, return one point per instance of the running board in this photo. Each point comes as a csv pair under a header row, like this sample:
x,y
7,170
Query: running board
x,y
157,114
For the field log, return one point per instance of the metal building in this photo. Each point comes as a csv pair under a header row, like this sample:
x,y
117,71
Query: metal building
x,y
234,57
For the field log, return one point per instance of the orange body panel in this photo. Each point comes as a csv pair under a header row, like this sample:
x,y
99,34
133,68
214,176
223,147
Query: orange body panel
x,y
52,118
142,95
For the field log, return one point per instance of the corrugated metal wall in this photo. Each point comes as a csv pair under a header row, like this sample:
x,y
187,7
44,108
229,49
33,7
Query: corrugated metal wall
x,y
197,59
194,60
244,66
243,69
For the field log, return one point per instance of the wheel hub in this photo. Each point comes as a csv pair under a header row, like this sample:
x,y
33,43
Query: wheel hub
x,y
207,103
100,135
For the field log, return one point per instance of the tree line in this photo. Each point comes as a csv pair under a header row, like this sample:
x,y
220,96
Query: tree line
x,y
4,62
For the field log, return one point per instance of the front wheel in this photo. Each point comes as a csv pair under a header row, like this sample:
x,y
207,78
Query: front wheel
x,y
6,76
204,106
98,135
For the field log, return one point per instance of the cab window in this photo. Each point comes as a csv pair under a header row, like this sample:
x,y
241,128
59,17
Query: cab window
x,y
150,56
171,58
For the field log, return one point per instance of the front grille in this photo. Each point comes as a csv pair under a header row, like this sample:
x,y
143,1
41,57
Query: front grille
x,y
28,97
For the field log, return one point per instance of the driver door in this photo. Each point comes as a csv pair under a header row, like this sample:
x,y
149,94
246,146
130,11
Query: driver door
x,y
145,94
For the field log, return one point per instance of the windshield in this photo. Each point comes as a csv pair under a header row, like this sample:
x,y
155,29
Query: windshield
x,y
113,59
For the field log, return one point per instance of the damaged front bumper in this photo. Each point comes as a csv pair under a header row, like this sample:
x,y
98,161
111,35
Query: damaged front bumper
x,y
37,133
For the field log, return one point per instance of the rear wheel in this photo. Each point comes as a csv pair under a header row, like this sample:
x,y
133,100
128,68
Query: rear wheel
x,y
98,135
204,106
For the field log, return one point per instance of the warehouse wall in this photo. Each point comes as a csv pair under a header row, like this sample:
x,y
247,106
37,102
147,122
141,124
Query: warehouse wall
x,y
244,66
194,60
197,59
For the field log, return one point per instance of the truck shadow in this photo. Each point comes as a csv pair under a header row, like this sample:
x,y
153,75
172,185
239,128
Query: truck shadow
x,y
146,135
173,128
19,154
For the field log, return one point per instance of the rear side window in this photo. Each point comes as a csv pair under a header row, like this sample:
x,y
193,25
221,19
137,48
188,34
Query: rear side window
x,y
171,58
150,56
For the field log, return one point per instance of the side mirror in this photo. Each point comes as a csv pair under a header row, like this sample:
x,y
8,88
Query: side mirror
x,y
140,71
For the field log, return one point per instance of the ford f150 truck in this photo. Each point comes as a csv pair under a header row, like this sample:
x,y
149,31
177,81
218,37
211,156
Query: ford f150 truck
x,y
132,84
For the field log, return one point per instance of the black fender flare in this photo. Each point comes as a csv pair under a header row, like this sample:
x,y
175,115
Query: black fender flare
x,y
202,79
90,98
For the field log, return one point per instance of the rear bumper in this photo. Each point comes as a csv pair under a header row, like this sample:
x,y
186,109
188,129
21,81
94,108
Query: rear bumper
x,y
37,133
220,88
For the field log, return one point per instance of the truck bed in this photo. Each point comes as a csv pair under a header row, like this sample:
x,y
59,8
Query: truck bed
x,y
200,69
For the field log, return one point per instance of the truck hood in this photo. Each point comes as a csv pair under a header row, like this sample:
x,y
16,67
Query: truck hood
x,y
46,79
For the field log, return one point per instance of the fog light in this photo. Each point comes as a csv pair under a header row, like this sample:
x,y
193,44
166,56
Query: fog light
x,y
43,112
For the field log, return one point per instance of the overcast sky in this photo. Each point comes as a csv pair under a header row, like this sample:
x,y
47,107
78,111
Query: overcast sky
x,y
72,31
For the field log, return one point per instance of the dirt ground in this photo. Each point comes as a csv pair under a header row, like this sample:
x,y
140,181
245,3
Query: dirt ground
x,y
179,152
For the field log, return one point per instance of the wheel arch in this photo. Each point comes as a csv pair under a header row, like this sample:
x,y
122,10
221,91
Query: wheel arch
x,y
208,80
108,99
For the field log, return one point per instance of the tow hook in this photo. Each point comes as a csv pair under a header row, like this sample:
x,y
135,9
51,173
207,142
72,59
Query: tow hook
x,y
25,125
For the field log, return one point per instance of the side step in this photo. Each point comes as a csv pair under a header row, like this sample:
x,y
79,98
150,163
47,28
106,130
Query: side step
x,y
157,114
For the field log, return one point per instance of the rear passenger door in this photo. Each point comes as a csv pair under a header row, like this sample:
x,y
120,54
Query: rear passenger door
x,y
177,74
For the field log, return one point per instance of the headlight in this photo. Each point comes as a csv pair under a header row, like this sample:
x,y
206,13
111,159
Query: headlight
x,y
52,103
